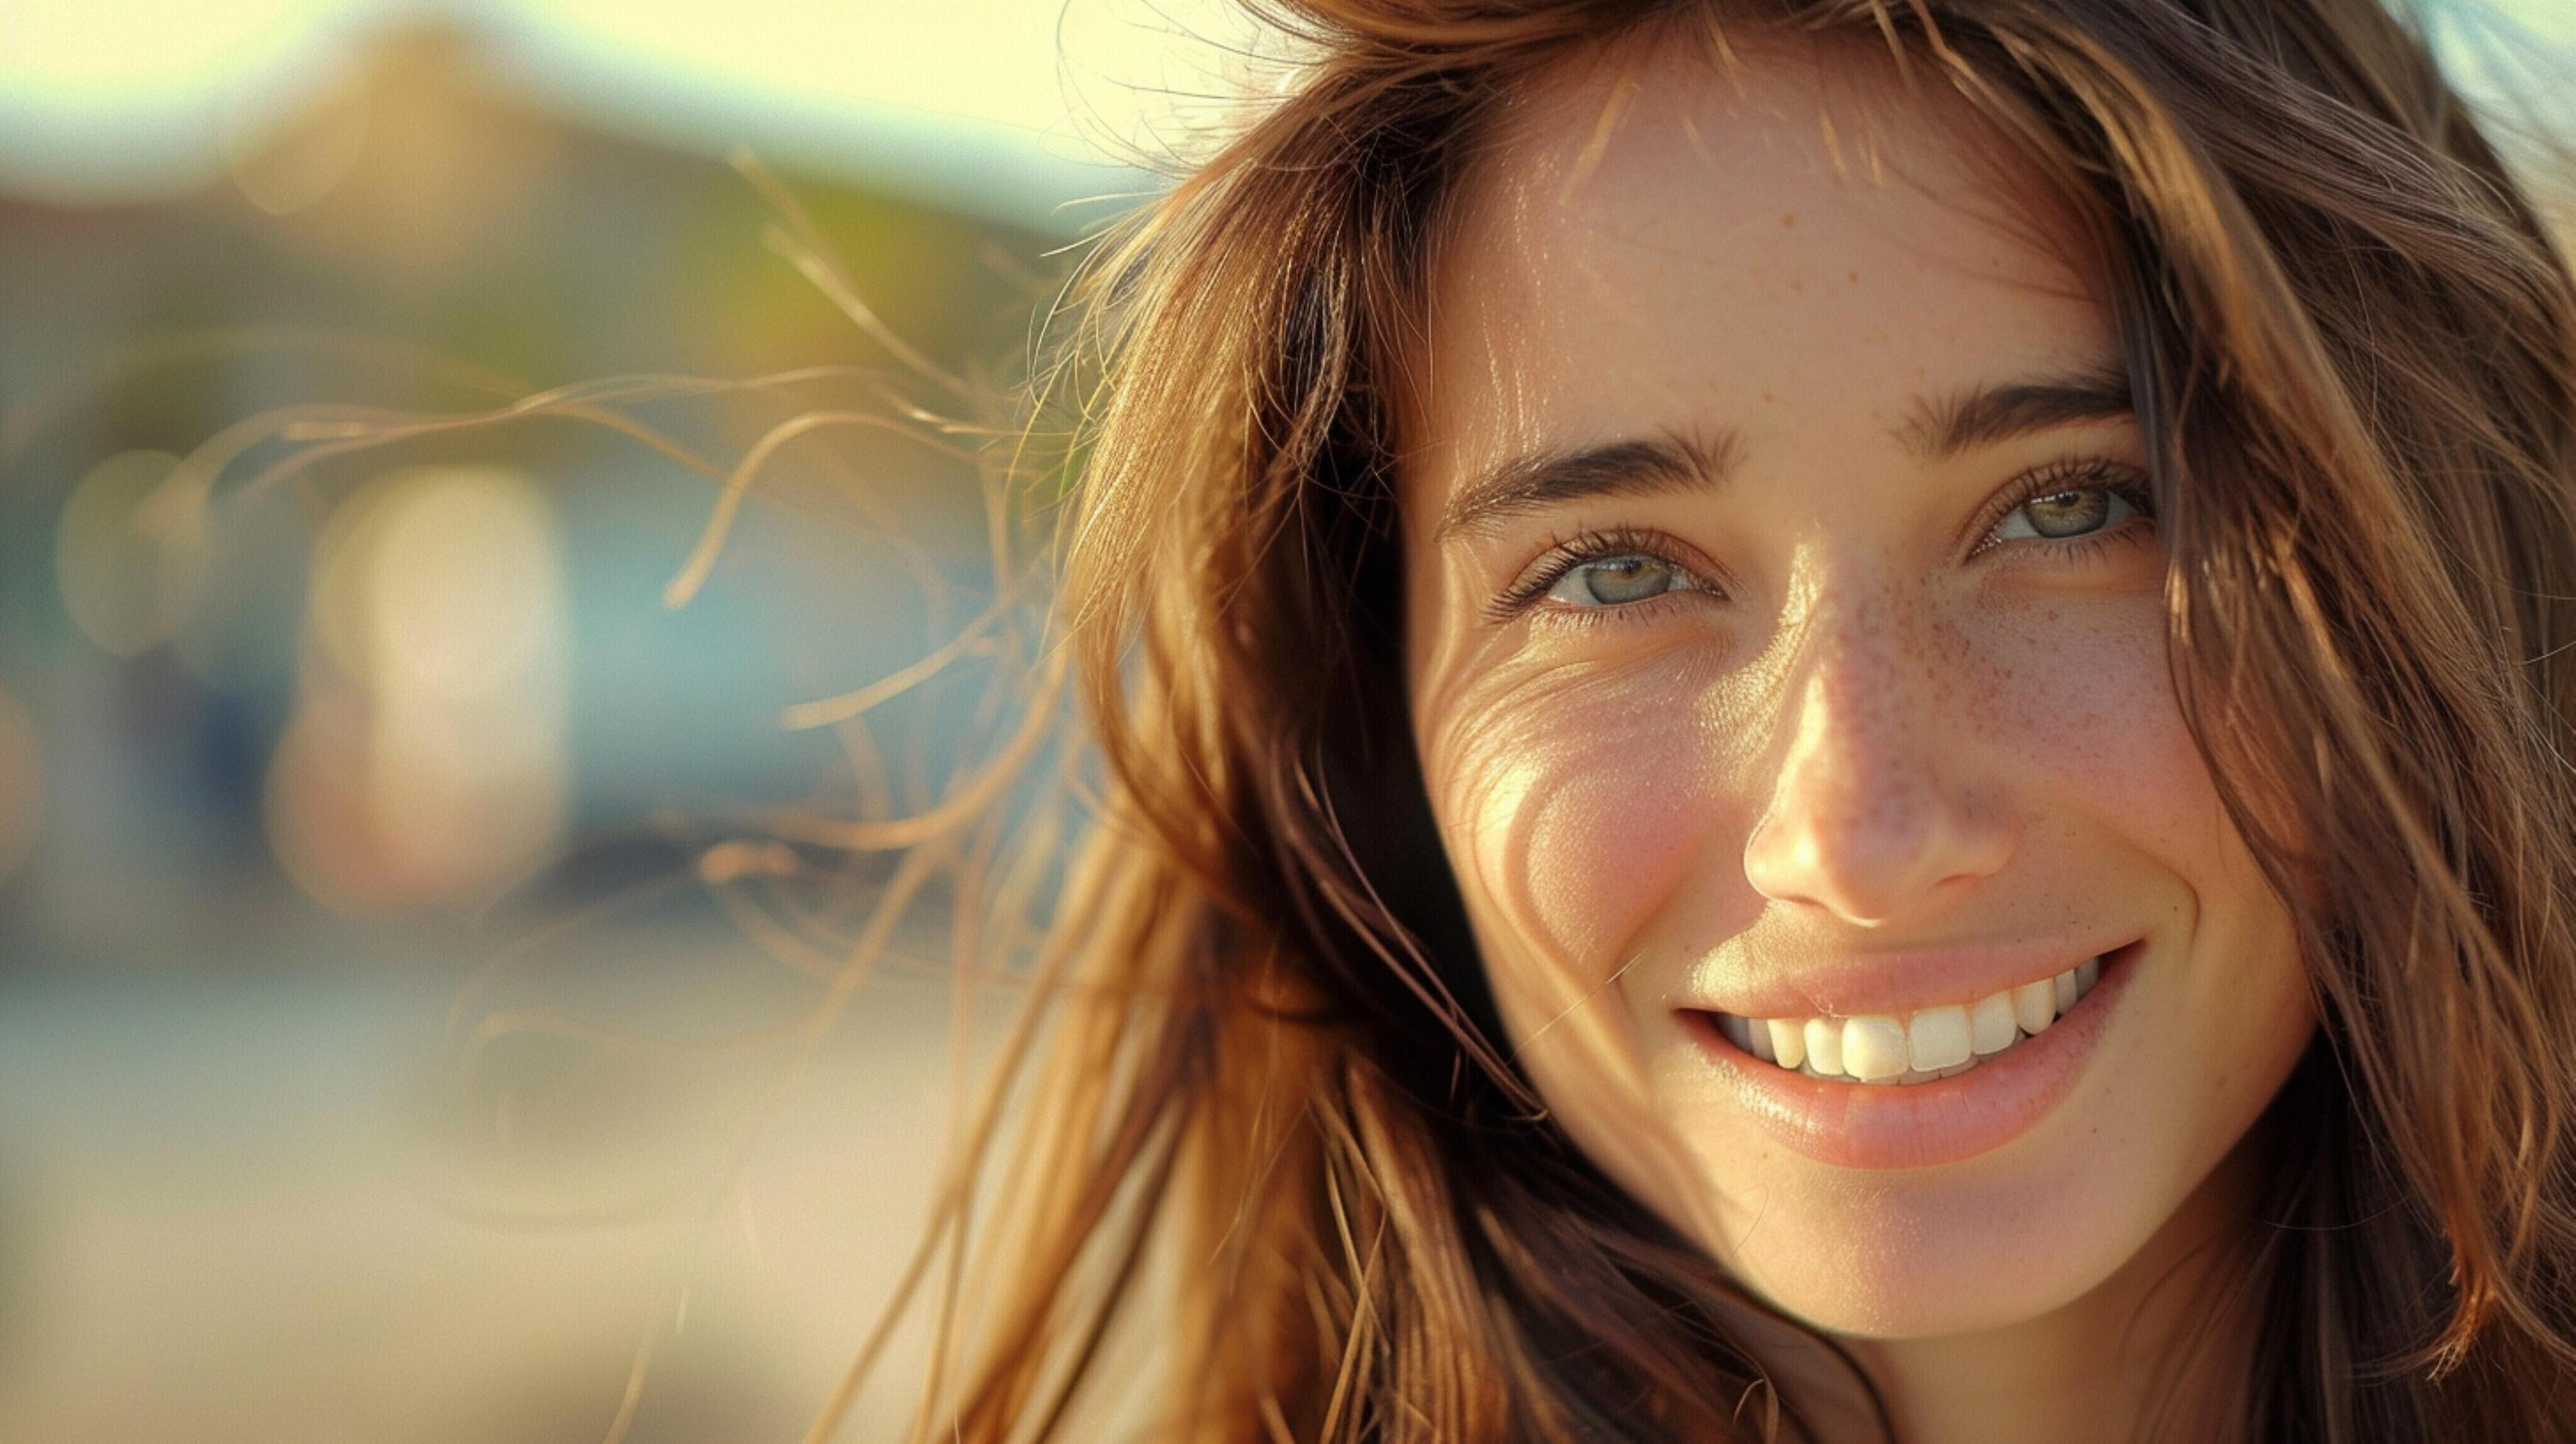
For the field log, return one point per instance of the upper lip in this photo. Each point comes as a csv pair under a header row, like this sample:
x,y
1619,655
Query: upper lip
x,y
1889,982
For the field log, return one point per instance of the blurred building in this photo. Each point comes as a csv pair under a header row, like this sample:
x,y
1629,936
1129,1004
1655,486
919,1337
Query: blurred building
x,y
302,785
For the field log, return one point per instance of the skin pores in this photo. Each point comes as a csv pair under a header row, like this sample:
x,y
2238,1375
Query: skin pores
x,y
1797,688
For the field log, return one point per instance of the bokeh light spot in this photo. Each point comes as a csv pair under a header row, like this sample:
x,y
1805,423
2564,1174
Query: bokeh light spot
x,y
126,576
426,758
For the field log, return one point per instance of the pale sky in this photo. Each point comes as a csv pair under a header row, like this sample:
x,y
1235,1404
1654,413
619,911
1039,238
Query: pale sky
x,y
1012,107
999,106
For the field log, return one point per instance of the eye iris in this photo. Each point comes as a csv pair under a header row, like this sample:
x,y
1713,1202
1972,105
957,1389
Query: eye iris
x,y
2069,513
1626,579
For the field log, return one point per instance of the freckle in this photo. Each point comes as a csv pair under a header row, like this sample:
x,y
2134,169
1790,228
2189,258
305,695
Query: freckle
x,y
1788,219
1853,276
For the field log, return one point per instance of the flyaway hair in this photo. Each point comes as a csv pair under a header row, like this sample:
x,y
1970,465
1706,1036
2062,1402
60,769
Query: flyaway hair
x,y
1261,1130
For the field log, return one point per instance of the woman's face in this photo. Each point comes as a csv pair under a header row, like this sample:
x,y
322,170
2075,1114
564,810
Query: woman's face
x,y
1785,640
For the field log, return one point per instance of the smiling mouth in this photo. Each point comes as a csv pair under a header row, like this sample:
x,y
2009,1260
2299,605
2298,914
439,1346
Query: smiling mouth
x,y
1931,1043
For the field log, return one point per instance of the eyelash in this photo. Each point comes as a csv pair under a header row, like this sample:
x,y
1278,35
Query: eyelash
x,y
1565,554
2075,473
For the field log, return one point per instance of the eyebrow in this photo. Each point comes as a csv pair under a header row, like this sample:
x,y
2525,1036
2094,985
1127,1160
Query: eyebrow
x,y
1943,429
1637,467
1935,429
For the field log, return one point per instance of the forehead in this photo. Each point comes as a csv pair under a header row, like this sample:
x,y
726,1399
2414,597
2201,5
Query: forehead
x,y
1661,241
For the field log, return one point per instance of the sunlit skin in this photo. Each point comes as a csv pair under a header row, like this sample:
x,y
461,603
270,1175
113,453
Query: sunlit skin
x,y
1830,694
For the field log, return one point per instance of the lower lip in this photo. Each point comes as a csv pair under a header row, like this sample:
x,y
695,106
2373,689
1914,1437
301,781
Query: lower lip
x,y
1921,1125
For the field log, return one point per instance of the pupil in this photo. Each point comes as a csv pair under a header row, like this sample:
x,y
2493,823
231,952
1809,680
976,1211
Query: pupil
x,y
1627,579
2070,513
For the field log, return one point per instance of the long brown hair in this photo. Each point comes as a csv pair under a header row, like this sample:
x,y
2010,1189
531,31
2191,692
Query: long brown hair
x,y
1258,1068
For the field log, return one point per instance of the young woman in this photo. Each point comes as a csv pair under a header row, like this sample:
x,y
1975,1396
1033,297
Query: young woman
x,y
1823,719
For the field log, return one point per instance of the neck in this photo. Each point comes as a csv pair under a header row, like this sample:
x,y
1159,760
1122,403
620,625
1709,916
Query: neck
x,y
2141,1350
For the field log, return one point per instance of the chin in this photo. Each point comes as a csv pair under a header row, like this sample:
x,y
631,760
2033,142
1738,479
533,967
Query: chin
x,y
1929,1256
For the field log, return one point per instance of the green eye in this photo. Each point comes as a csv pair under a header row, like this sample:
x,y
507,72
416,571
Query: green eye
x,y
2072,511
1615,581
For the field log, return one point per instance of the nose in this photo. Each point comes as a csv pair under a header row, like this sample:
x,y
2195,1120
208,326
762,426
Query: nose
x,y
1871,815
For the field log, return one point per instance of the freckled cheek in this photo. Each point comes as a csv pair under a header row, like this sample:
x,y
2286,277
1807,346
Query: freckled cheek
x,y
2086,709
1589,823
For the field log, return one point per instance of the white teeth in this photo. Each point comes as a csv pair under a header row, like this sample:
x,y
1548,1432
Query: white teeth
x,y
1738,1031
1990,1025
1873,1047
1937,1038
2035,1006
1928,1044
1825,1047
1788,1041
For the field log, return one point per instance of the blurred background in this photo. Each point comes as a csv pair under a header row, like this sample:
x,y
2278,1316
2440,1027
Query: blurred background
x,y
405,999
